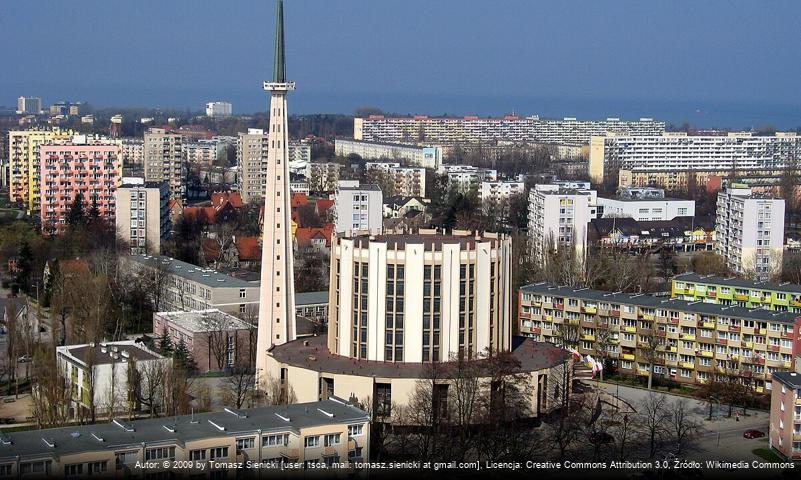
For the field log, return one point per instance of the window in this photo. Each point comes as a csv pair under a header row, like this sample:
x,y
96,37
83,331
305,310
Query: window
x,y
310,442
197,454
160,453
245,443
219,452
97,467
275,440
242,293
355,430
124,458
73,469
332,439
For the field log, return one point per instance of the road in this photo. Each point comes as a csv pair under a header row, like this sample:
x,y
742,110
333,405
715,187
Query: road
x,y
721,438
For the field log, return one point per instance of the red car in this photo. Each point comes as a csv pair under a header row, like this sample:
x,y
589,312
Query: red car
x,y
753,434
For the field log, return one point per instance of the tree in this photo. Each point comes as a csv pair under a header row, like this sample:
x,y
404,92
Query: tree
x,y
182,358
238,388
654,419
76,214
682,425
217,341
52,393
164,343
649,343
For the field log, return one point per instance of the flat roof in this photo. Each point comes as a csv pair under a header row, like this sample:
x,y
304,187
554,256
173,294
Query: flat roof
x,y
634,200
428,240
791,379
311,298
122,435
95,353
363,186
662,302
738,282
205,320
205,276
312,353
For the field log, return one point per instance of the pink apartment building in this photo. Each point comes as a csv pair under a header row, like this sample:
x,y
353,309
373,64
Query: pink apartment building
x,y
785,414
90,166
217,340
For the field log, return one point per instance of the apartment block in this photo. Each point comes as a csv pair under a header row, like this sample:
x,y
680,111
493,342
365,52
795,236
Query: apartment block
x,y
402,181
217,340
29,105
143,215
693,342
283,438
132,151
218,109
322,177
204,152
667,159
97,374
24,162
185,287
426,157
779,297
299,151
90,166
164,160
251,153
644,205
558,214
749,232
312,305
785,415
466,178
472,129
495,192
359,208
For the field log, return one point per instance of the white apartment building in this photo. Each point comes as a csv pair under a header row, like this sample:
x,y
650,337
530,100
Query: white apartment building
x,y
678,152
473,129
164,160
204,152
404,181
251,153
495,192
299,151
29,105
359,208
559,215
143,214
644,204
97,373
322,177
218,109
187,287
426,157
132,151
467,177
749,232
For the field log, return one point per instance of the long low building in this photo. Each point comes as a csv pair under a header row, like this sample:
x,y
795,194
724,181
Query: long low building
x,y
667,160
427,157
693,342
780,297
282,437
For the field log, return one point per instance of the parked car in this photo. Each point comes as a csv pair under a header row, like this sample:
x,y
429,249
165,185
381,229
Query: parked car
x,y
752,433
24,359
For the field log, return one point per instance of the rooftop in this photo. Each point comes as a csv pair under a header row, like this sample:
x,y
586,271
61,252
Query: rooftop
x,y
109,352
205,320
205,276
738,282
791,379
312,353
311,298
650,301
178,430
424,238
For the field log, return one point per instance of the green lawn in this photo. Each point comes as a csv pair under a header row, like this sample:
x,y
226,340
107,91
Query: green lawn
x,y
767,454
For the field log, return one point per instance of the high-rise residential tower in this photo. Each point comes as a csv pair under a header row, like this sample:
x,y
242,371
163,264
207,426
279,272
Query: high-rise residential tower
x,y
276,298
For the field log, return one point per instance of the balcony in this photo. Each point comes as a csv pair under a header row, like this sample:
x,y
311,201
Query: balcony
x,y
741,297
688,365
630,329
590,338
627,356
707,354
588,310
763,331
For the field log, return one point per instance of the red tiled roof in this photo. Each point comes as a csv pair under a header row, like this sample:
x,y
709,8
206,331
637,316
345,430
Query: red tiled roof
x,y
218,199
298,200
323,205
192,212
304,236
249,248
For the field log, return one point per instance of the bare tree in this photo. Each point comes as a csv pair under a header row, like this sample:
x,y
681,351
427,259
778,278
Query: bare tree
x,y
52,393
654,420
682,424
238,388
649,344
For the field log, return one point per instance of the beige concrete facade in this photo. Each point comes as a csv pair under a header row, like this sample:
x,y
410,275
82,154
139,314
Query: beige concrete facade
x,y
143,215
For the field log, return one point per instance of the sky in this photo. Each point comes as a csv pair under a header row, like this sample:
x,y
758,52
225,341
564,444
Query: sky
x,y
730,63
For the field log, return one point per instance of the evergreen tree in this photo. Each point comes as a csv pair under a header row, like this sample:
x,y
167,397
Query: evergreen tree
x,y
182,358
50,283
25,267
94,210
76,214
165,346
